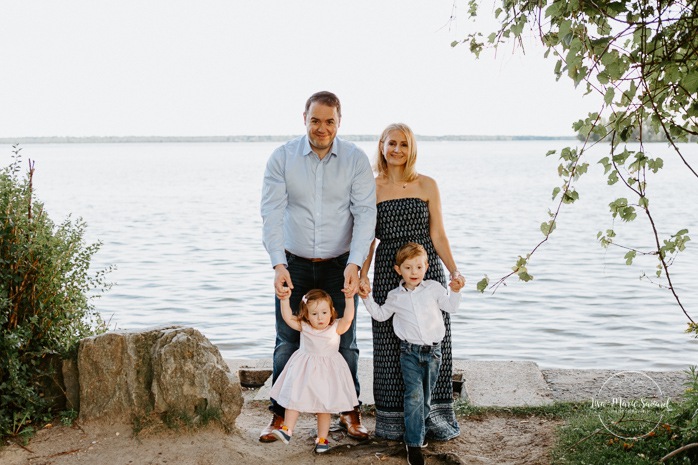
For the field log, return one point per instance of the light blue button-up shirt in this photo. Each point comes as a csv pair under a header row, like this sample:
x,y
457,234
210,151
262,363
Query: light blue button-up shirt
x,y
318,208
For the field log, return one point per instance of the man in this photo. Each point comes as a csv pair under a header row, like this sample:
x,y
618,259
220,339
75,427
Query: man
x,y
319,213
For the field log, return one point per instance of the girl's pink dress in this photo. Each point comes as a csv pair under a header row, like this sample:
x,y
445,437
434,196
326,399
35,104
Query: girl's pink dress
x,y
316,379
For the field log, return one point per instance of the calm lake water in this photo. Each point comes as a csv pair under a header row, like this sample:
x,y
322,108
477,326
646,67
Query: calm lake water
x,y
181,224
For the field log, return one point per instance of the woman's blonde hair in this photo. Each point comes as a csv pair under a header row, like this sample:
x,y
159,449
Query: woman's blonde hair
x,y
381,166
314,296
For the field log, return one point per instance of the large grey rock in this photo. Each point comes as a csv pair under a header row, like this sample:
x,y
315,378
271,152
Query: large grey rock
x,y
115,371
189,376
129,374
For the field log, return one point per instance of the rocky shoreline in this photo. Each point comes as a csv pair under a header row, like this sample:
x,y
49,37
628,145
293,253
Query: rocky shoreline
x,y
128,382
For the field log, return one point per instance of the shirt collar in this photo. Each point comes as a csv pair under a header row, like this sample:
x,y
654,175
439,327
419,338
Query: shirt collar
x,y
404,289
307,149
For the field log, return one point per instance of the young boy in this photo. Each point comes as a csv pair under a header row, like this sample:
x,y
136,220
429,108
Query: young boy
x,y
418,322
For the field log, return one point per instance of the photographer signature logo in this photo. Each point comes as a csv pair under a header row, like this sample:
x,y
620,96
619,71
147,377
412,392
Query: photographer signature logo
x,y
630,405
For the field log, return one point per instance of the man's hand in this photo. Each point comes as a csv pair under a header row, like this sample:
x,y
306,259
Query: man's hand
x,y
282,282
351,279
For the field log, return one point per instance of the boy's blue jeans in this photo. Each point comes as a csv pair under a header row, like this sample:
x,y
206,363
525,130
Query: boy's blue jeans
x,y
420,369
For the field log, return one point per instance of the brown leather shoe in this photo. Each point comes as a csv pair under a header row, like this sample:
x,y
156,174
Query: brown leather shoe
x,y
267,433
351,421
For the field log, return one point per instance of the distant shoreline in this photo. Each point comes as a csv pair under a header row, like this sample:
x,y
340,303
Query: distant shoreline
x,y
194,139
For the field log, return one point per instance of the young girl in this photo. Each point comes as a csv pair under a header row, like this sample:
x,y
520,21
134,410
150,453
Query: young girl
x,y
316,378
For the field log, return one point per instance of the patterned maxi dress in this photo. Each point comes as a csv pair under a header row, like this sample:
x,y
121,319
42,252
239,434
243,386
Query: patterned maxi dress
x,y
400,221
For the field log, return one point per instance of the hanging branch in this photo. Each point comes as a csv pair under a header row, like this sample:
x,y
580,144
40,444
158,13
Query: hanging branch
x,y
30,176
640,57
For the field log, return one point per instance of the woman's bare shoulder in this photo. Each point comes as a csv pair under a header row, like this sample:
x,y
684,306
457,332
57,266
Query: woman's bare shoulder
x,y
426,180
427,185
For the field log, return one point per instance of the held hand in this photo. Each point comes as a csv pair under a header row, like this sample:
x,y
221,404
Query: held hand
x,y
364,287
282,282
457,282
351,279
285,293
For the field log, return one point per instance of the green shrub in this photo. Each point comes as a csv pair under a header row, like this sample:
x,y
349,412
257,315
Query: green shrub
x,y
46,291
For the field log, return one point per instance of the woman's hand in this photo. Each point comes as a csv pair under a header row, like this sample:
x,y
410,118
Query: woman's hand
x,y
457,281
364,287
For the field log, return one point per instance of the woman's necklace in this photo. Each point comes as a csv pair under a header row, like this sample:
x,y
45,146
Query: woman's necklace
x,y
404,183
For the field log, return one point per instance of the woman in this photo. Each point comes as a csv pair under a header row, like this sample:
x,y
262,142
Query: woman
x,y
409,209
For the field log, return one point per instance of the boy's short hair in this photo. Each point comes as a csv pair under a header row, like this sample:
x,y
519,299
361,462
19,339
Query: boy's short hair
x,y
408,251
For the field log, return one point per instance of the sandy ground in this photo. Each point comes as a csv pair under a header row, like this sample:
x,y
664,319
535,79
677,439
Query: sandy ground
x,y
490,439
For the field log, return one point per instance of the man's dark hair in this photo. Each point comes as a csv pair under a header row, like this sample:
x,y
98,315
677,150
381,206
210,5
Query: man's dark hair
x,y
325,98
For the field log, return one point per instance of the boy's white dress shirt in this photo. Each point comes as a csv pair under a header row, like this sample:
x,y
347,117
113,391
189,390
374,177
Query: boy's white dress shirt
x,y
417,313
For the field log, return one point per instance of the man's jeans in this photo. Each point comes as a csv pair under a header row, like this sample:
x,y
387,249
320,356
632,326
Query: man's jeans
x,y
420,370
307,275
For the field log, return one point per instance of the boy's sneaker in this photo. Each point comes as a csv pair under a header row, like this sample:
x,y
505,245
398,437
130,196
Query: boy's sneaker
x,y
321,445
282,434
414,456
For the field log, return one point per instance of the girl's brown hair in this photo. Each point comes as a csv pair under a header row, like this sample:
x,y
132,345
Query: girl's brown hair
x,y
314,296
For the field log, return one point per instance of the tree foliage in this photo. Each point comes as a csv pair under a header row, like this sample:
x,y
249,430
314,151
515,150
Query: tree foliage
x,y
648,134
45,302
641,57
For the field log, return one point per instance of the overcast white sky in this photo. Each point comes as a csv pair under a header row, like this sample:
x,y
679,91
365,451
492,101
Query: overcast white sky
x,y
232,67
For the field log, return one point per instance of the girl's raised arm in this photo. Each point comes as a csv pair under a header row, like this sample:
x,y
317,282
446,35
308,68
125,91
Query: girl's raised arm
x,y
344,323
287,314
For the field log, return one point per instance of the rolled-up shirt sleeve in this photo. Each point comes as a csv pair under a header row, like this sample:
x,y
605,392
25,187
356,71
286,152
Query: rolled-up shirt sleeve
x,y
273,208
363,209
